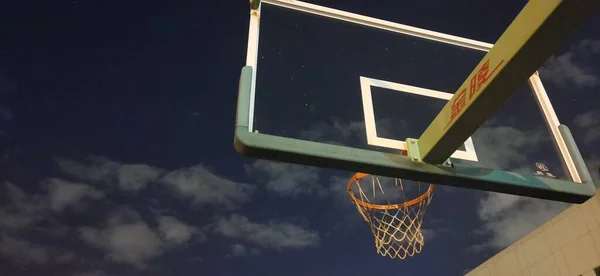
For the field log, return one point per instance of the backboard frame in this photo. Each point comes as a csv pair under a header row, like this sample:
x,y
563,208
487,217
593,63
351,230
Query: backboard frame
x,y
250,143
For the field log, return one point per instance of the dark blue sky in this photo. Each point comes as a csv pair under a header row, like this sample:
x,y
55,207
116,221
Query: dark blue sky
x,y
116,127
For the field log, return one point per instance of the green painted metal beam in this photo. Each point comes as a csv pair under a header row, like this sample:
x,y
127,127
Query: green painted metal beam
x,y
531,38
290,150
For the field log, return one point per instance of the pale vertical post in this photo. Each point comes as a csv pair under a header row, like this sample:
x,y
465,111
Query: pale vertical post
x,y
252,54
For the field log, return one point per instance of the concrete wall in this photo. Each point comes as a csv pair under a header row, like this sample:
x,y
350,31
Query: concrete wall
x,y
566,245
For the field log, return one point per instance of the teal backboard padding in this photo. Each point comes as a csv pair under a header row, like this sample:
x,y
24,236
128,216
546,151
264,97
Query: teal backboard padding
x,y
324,155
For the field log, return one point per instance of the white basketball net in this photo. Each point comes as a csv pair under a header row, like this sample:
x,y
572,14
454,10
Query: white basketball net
x,y
395,227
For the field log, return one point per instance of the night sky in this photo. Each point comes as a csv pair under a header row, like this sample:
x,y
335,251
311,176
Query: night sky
x,y
117,120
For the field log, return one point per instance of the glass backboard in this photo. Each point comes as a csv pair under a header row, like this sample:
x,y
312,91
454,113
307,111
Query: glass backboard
x,y
327,79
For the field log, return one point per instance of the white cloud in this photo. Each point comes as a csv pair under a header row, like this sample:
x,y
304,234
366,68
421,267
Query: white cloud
x,y
129,177
339,132
592,135
496,203
335,131
32,214
122,216
238,250
126,239
25,210
566,69
506,147
589,47
174,231
563,70
287,179
589,124
65,257
15,220
338,189
62,194
22,211
197,183
273,235
135,177
206,188
587,119
21,201
132,243
23,252
428,234
507,218
99,168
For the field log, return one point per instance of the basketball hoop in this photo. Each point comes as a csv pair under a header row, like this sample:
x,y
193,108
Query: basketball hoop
x,y
395,227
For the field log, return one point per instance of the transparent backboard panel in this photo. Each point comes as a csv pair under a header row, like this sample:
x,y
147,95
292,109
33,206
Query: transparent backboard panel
x,y
324,80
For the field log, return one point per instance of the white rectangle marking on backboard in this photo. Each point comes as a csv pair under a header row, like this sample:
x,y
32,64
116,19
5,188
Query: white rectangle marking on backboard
x,y
369,113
